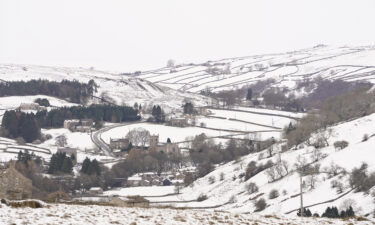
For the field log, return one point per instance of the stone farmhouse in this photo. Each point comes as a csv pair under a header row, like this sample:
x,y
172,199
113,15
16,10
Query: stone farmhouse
x,y
13,185
119,143
75,125
31,107
154,179
178,122
169,148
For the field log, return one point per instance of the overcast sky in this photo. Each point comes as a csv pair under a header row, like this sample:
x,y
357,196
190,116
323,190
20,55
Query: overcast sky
x,y
124,35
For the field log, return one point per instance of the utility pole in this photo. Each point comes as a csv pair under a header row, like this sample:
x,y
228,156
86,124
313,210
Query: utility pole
x,y
301,194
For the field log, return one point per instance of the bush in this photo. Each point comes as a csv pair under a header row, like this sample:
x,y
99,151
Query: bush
x,y
365,137
252,188
202,197
42,102
222,176
339,145
273,194
361,180
260,205
211,180
253,169
232,199
306,212
333,212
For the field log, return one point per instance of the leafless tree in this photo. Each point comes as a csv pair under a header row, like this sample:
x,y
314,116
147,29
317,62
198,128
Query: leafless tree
x,y
139,136
61,140
171,63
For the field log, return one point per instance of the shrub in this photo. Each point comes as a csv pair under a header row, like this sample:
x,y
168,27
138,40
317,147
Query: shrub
x,y
339,145
252,188
202,197
232,199
273,194
361,180
306,212
222,176
338,185
365,137
260,205
211,180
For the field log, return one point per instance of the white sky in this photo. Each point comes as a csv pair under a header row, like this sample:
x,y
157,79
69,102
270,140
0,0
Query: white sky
x,y
138,34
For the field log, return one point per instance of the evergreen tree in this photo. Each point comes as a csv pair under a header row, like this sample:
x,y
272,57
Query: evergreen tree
x,y
188,108
95,167
67,166
85,165
350,212
249,94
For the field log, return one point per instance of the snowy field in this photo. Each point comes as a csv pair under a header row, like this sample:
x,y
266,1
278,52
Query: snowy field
x,y
176,134
346,63
142,191
104,215
121,89
74,139
266,120
13,102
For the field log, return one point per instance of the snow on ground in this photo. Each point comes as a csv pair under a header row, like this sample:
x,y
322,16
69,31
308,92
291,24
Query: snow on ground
x,y
275,121
231,192
122,89
271,111
142,191
74,139
13,102
177,134
286,68
106,215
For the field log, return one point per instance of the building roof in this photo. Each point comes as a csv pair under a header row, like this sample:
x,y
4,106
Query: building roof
x,y
96,189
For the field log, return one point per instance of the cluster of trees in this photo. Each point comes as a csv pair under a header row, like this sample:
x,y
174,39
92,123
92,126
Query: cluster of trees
x,y
158,114
61,163
278,98
30,166
253,169
91,167
333,212
306,212
138,137
72,91
18,124
354,104
361,179
139,161
188,108
42,102
323,89
203,149
25,157
27,125
108,113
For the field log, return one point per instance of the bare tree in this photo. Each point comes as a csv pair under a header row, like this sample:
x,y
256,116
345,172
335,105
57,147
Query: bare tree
x,y
61,140
139,136
171,63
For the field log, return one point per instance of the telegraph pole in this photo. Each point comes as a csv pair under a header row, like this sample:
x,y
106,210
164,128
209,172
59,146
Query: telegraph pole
x,y
301,194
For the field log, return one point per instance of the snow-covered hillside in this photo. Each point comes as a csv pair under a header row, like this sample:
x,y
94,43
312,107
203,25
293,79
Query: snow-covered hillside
x,y
122,89
346,63
225,186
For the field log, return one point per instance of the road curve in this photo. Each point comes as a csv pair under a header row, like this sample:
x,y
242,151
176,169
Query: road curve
x,y
96,137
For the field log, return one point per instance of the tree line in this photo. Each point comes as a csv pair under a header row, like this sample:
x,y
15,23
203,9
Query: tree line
x,y
72,91
28,125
